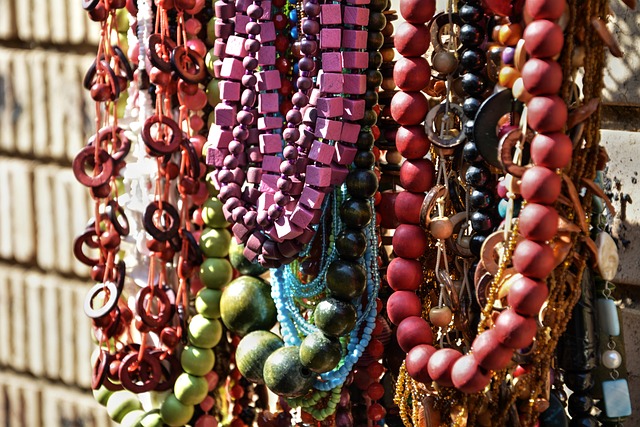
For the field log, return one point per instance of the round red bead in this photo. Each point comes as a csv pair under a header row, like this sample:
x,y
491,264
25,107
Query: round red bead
x,y
403,304
489,351
417,361
409,241
469,377
538,222
540,185
440,364
515,331
417,175
413,331
551,150
547,113
533,259
411,39
543,39
412,142
526,296
404,274
409,108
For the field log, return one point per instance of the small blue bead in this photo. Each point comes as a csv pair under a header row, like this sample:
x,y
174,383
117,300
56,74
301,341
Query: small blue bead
x,y
294,33
295,68
502,208
293,16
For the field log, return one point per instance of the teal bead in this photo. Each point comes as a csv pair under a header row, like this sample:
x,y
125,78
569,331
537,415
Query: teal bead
x,y
617,401
608,316
502,208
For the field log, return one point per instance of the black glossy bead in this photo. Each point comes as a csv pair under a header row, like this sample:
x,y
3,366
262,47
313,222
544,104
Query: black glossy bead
x,y
351,244
377,21
580,404
370,118
374,78
378,5
346,280
473,60
475,244
370,98
481,222
585,421
579,381
365,140
375,59
471,13
470,107
375,40
471,35
362,183
356,213
364,159
468,127
479,199
476,175
473,85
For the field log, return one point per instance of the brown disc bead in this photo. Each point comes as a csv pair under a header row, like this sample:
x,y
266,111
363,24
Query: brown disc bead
x,y
526,296
440,364
412,39
403,304
543,39
417,361
533,259
542,76
417,11
538,222
551,150
515,331
386,209
412,74
489,351
412,142
468,376
409,241
409,108
417,175
540,185
412,332
404,274
547,113
545,9
407,207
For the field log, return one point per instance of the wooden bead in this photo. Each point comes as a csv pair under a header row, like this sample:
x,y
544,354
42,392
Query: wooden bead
x,y
533,259
543,39
538,222
519,92
468,376
508,76
403,304
404,274
445,62
412,39
547,113
552,150
417,361
515,331
407,207
412,142
412,332
509,34
526,295
412,74
417,11
386,209
489,351
440,364
417,175
540,185
542,77
409,241
440,316
409,108
545,9
441,227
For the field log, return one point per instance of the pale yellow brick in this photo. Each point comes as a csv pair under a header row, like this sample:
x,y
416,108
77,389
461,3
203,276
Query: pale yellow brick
x,y
18,321
24,23
21,210
52,339
35,325
8,102
5,319
7,20
39,102
44,202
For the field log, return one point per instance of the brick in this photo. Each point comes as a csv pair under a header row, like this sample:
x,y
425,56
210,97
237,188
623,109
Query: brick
x,y
7,19
17,240
67,205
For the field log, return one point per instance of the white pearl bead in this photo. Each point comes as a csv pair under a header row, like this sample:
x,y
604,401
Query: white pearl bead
x,y
611,359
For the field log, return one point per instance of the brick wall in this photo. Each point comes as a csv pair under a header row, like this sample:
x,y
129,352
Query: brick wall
x,y
45,117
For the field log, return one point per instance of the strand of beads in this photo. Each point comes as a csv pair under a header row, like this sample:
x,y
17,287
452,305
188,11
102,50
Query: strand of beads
x,y
533,258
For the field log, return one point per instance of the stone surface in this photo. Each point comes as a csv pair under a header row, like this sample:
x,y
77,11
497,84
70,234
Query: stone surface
x,y
622,82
